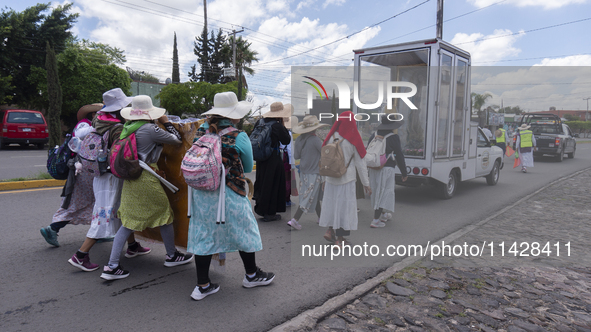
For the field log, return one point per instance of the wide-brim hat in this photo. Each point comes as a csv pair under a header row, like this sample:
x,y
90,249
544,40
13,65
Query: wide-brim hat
x,y
84,110
226,104
290,122
278,111
390,124
115,100
310,123
524,126
142,109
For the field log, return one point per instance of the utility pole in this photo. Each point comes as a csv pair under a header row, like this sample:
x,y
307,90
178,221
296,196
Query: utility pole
x,y
205,14
587,113
440,19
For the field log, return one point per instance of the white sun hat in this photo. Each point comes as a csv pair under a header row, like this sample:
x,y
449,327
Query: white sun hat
x,y
226,104
115,100
142,109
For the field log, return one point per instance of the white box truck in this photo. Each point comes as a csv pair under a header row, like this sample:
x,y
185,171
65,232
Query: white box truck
x,y
442,147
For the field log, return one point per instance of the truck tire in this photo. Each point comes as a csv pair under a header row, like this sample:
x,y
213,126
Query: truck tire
x,y
493,177
572,154
560,156
1,144
447,190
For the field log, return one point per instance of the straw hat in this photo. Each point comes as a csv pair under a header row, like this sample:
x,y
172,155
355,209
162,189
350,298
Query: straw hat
x,y
226,104
524,126
289,123
310,123
278,111
142,109
84,110
115,100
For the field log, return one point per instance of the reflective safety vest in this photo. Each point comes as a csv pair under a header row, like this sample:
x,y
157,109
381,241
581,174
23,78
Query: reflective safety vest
x,y
525,138
502,138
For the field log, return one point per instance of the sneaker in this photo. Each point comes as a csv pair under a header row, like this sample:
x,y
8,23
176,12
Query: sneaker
x,y
376,223
386,216
178,259
200,293
260,279
83,264
114,274
287,204
524,170
295,224
138,251
269,218
50,236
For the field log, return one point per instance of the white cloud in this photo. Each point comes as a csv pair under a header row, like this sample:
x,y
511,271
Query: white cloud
x,y
573,60
304,4
546,4
333,2
488,49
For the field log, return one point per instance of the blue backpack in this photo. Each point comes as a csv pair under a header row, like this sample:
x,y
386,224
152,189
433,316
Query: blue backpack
x,y
260,138
57,160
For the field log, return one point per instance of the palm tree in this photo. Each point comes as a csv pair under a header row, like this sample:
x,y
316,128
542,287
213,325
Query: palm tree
x,y
478,100
244,58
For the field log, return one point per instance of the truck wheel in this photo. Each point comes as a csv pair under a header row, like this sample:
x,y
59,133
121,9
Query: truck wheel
x,y
1,144
560,157
572,154
493,177
447,190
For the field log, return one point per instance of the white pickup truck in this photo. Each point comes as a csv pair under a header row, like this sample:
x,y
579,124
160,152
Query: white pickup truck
x,y
442,147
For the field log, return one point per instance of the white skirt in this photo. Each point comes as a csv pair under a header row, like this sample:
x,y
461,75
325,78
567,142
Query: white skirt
x,y
527,159
382,184
339,206
107,193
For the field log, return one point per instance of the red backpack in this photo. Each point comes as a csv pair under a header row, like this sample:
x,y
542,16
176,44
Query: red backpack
x,y
124,160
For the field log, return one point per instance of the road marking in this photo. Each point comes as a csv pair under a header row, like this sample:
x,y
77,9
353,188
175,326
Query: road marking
x,y
28,190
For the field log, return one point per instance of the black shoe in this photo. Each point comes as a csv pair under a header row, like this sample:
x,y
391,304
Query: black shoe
x,y
114,274
274,217
260,279
178,259
200,293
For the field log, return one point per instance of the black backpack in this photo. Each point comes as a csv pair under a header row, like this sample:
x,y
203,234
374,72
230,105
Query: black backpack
x,y
57,160
260,138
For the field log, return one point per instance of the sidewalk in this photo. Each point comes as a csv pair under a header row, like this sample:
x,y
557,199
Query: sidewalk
x,y
545,292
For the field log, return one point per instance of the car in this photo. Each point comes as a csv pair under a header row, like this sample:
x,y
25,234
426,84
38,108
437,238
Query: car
x,y
23,127
552,136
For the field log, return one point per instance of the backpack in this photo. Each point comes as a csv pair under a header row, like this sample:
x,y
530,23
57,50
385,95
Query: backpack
x,y
260,138
89,153
57,160
376,152
202,164
123,158
332,160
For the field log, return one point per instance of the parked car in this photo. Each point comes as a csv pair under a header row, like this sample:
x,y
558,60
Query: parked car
x,y
552,136
23,127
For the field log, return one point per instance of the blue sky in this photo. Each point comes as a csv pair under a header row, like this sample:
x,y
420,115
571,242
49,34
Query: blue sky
x,y
282,30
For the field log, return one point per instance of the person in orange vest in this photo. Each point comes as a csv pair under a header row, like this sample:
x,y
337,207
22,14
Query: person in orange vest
x,y
525,146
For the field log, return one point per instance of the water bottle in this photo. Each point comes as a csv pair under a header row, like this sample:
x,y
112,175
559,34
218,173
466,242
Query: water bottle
x,y
102,162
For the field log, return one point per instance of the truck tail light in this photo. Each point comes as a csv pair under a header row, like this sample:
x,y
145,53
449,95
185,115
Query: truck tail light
x,y
408,169
425,171
557,141
416,171
4,129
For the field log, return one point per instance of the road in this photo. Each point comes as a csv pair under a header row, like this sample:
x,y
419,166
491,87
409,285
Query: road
x,y
19,161
42,291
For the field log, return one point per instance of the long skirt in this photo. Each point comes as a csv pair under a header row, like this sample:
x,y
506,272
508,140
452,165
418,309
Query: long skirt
x,y
239,232
382,184
310,187
144,203
269,187
339,206
527,158
107,192
79,212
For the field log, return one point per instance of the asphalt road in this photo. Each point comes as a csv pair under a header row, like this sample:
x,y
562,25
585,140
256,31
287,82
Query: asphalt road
x,y
40,290
16,161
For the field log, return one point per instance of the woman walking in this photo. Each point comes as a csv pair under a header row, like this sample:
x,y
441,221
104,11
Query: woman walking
x,y
239,232
107,187
526,144
78,197
144,203
307,149
383,180
339,204
269,186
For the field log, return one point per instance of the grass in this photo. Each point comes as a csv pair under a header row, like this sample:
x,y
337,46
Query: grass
x,y
39,176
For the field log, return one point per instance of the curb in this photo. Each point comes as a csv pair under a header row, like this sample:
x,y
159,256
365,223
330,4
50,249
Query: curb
x,y
309,318
16,185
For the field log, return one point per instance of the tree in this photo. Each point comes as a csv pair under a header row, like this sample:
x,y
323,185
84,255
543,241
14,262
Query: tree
x,y
209,57
24,36
176,78
5,89
142,76
54,91
244,57
478,100
191,97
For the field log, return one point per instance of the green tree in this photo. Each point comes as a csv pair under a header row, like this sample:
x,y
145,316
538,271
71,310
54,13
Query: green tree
x,y
478,100
5,89
54,92
24,36
176,78
192,97
245,56
209,57
142,76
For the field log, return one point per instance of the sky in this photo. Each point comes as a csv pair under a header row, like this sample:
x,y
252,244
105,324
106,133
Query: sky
x,y
285,33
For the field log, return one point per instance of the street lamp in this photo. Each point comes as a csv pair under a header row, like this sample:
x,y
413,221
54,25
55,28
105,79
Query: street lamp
x,y
586,113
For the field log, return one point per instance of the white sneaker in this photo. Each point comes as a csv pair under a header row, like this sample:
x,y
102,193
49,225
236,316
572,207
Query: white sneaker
x,y
377,223
295,224
386,216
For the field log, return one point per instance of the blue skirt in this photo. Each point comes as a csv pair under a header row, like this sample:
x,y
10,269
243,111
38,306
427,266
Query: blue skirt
x,y
240,231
